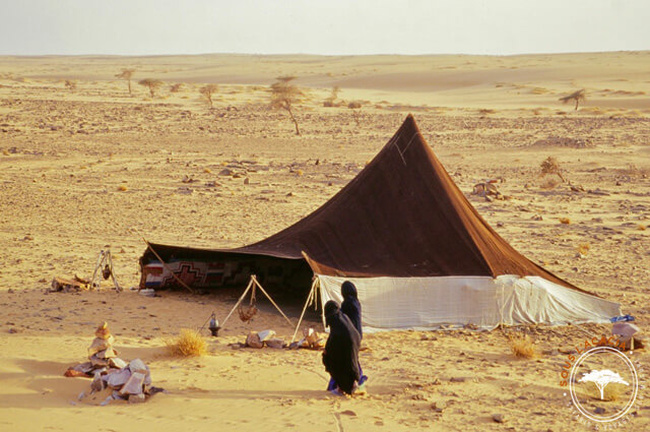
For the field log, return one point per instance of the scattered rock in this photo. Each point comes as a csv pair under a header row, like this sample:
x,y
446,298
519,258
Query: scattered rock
x,y
599,410
499,418
136,398
556,141
438,407
458,379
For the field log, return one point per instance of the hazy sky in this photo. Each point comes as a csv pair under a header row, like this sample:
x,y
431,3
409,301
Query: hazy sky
x,y
134,27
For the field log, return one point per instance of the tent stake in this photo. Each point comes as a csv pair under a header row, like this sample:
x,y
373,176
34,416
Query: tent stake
x,y
254,279
250,284
307,303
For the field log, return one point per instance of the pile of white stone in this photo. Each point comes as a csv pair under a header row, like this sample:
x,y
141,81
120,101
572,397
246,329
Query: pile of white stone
x,y
127,381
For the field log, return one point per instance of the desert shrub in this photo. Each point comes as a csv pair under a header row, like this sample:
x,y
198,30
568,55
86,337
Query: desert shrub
x,y
151,84
331,100
187,344
552,166
355,106
175,88
583,248
522,345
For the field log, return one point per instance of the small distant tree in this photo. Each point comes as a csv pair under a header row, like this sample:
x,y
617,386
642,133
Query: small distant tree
x,y
331,100
552,166
577,96
602,378
207,91
126,74
285,95
71,85
356,113
151,84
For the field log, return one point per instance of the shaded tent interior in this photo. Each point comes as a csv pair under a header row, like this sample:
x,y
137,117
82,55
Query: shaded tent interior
x,y
402,216
207,269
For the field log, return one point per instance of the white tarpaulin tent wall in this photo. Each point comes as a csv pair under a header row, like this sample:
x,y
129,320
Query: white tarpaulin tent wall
x,y
390,303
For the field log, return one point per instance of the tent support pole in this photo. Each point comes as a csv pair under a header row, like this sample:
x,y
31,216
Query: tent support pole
x,y
307,303
250,284
183,284
254,280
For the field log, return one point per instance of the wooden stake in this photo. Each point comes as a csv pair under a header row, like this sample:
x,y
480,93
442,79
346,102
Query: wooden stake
x,y
254,279
307,303
250,284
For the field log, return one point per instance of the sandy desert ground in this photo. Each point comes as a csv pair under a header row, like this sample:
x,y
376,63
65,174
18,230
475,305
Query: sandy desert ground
x,y
94,166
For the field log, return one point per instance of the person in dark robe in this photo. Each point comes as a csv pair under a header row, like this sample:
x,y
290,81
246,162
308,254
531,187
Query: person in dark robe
x,y
341,355
352,308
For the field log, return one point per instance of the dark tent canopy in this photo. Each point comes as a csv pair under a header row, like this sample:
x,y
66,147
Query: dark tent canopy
x,y
401,216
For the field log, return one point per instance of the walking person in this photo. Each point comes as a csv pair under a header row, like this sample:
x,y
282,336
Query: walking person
x,y
341,355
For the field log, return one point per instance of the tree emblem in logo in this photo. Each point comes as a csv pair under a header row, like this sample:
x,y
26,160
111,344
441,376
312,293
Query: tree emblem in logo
x,y
601,378
609,360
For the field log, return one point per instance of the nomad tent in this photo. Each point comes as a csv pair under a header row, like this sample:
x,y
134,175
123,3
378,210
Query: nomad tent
x,y
420,255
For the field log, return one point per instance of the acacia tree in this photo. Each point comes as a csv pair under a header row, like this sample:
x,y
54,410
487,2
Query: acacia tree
x,y
578,96
151,84
602,378
284,95
126,74
207,91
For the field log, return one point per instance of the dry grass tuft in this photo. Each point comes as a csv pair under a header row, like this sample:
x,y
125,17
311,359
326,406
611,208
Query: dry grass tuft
x,y
565,221
641,227
187,344
583,248
522,345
